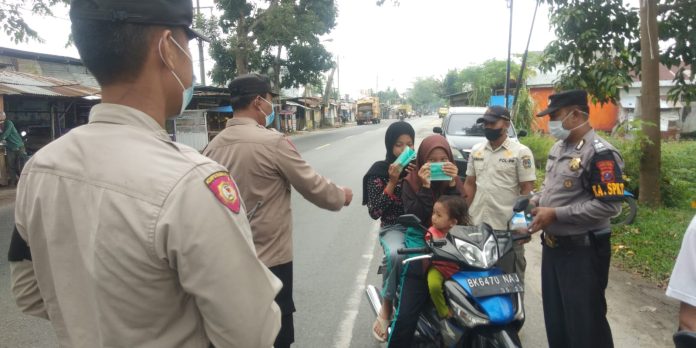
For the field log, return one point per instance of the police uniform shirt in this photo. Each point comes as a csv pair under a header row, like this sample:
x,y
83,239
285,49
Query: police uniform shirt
x,y
498,175
682,283
267,165
584,183
138,241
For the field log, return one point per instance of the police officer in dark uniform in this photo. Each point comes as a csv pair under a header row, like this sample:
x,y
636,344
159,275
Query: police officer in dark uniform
x,y
582,190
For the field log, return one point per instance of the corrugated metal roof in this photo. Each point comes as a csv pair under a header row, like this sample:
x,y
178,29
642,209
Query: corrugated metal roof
x,y
12,82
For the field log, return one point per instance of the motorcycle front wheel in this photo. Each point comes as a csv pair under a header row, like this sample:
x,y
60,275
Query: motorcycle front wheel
x,y
629,210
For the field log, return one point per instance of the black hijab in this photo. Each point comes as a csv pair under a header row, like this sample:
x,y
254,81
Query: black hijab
x,y
381,168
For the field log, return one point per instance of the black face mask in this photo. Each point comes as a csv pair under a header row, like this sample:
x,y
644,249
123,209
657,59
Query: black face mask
x,y
493,134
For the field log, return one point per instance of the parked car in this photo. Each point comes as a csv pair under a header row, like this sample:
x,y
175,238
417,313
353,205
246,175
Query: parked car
x,y
462,133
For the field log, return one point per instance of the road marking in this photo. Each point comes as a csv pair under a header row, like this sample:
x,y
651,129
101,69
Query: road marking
x,y
350,314
321,147
350,136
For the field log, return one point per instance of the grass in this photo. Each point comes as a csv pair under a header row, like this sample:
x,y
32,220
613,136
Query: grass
x,y
649,247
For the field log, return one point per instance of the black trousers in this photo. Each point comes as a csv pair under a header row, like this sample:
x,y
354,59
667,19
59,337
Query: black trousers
x,y
413,296
286,336
573,282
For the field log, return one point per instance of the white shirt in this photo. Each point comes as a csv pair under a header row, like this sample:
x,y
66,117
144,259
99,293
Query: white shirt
x,y
682,284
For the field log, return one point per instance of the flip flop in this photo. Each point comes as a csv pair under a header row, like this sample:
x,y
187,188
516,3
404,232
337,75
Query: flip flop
x,y
383,324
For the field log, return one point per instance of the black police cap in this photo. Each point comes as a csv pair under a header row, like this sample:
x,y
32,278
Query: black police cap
x,y
494,113
563,99
177,13
250,84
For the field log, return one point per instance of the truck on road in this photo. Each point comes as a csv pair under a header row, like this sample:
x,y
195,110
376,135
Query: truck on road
x,y
368,110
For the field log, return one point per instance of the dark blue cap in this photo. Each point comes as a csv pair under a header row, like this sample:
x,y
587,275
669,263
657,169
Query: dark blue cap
x,y
563,99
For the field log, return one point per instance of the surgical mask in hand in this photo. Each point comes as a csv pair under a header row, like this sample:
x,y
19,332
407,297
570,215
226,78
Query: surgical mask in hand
x,y
436,172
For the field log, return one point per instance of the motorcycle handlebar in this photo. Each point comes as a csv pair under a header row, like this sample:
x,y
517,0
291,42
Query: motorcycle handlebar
x,y
413,250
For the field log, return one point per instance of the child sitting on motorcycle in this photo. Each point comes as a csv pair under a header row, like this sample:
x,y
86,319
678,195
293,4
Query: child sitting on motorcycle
x,y
448,211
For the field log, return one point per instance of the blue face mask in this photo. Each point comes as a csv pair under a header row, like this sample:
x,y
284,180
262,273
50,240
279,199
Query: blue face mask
x,y
187,93
270,117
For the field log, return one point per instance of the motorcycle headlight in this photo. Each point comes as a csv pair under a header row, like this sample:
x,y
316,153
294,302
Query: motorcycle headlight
x,y
476,257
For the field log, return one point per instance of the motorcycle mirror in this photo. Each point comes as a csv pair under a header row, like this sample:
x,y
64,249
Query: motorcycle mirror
x,y
521,204
408,220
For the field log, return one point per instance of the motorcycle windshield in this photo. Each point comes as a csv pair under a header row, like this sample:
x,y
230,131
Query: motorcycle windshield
x,y
500,309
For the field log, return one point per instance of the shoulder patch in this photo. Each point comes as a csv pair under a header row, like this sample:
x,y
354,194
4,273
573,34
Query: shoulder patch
x,y
599,146
225,190
527,162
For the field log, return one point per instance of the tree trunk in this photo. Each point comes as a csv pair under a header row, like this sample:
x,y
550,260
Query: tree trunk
x,y
650,162
241,58
327,95
276,84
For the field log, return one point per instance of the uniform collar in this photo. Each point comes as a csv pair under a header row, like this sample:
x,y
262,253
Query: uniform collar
x,y
238,121
586,139
506,145
126,115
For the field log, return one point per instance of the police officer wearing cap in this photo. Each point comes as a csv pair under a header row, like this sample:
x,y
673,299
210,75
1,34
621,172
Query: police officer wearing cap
x,y
125,238
582,190
268,165
499,171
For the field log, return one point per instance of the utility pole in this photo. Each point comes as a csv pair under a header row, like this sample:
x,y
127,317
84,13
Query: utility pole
x,y
650,161
507,74
200,48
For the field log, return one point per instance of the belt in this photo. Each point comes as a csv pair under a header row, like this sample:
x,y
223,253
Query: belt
x,y
580,240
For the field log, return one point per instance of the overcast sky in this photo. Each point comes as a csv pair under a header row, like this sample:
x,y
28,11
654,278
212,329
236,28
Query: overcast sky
x,y
388,45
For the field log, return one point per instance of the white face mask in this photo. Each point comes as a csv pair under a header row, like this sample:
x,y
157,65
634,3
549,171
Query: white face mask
x,y
187,93
558,131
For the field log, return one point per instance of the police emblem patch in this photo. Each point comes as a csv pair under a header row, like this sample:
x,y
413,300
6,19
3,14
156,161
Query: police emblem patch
x,y
526,162
575,164
225,190
568,183
606,171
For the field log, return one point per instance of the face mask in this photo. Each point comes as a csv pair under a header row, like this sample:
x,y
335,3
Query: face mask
x,y
493,134
187,93
270,117
556,128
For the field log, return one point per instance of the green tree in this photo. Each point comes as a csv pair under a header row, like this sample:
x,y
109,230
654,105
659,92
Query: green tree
x,y
600,46
484,79
390,96
15,26
281,40
425,94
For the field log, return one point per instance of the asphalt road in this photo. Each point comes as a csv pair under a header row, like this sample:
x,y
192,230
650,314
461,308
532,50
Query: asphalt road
x,y
337,254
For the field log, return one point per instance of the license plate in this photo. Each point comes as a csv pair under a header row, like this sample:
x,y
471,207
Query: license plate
x,y
495,285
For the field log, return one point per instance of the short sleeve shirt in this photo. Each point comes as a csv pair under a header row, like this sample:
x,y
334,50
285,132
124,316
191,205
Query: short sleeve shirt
x,y
682,284
498,175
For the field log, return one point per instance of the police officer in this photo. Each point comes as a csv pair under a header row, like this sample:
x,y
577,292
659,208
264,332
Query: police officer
x,y
124,237
583,188
268,164
499,171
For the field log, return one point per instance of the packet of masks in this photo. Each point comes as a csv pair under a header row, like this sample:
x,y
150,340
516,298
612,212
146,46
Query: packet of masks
x,y
436,173
518,221
406,157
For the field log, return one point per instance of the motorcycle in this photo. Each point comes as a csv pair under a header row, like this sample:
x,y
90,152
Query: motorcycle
x,y
487,303
629,210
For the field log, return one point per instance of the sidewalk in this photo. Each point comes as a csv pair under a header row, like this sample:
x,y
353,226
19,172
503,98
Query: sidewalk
x,y
309,131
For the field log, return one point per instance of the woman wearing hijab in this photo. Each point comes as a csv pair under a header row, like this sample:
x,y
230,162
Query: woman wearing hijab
x,y
419,195
382,186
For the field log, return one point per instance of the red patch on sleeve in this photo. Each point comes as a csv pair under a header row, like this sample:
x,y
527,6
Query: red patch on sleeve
x,y
225,190
606,171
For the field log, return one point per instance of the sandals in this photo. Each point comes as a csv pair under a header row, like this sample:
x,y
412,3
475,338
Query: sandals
x,y
383,325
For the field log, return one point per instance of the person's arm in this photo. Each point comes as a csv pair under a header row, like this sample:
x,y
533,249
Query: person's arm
x,y
8,129
607,185
25,287
687,317
526,171
207,241
379,199
312,186
470,189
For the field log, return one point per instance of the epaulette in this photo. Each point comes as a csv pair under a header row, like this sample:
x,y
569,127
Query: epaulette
x,y
599,146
